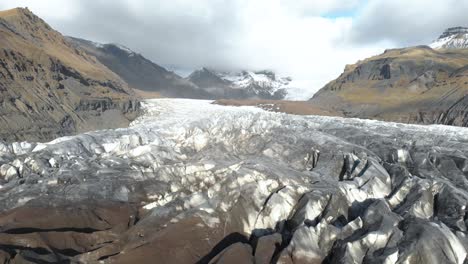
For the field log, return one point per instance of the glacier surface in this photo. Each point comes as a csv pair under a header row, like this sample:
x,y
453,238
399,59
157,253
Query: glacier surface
x,y
220,184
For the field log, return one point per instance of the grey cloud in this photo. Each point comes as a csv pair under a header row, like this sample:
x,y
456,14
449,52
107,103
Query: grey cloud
x,y
407,23
188,39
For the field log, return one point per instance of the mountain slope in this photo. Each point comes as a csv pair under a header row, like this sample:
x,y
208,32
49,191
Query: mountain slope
x,y
207,79
241,85
416,84
49,88
139,72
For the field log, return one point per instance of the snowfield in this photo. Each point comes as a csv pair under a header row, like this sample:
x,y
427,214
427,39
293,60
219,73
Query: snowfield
x,y
246,185
452,38
451,42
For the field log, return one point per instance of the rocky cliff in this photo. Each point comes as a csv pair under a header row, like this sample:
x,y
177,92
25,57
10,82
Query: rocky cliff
x,y
48,88
416,85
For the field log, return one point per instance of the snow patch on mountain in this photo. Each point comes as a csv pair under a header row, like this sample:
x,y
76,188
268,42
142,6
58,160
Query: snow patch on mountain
x,y
264,79
452,38
270,81
122,47
242,84
97,44
451,42
119,46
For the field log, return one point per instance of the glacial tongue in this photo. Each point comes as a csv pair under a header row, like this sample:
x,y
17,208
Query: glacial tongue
x,y
192,182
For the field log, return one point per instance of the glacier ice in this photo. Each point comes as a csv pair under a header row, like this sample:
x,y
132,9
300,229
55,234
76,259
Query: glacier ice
x,y
247,184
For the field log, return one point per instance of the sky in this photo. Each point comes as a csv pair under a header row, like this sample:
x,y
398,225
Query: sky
x,y
309,40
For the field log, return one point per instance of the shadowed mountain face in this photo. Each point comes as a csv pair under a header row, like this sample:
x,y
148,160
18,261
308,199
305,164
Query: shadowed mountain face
x,y
49,88
208,79
144,75
139,72
416,85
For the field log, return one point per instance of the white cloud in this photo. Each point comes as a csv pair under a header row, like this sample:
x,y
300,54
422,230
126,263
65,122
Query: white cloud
x,y
319,7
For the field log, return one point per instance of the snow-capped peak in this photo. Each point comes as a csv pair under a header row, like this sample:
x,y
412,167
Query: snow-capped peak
x,y
264,84
452,38
263,79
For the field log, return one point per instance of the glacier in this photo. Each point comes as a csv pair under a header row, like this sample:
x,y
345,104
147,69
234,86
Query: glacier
x,y
193,182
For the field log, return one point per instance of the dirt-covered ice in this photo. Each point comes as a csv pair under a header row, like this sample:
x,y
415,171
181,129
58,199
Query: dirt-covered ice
x,y
191,181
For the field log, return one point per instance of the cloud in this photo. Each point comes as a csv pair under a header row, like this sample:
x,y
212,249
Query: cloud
x,y
310,40
313,49
414,22
319,7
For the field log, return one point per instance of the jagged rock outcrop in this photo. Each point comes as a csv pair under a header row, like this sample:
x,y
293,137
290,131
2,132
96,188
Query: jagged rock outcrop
x,y
241,85
48,88
139,72
193,182
415,85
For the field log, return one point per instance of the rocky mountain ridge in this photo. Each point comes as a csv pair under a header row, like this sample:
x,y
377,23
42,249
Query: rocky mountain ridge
x,y
410,85
139,72
48,88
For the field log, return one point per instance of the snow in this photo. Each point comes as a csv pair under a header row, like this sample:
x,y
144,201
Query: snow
x,y
122,47
243,79
97,45
439,43
452,41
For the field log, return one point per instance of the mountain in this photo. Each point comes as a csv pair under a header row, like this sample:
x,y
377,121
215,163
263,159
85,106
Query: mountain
x,y
48,88
452,38
241,85
416,85
139,72
192,182
144,75
207,79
